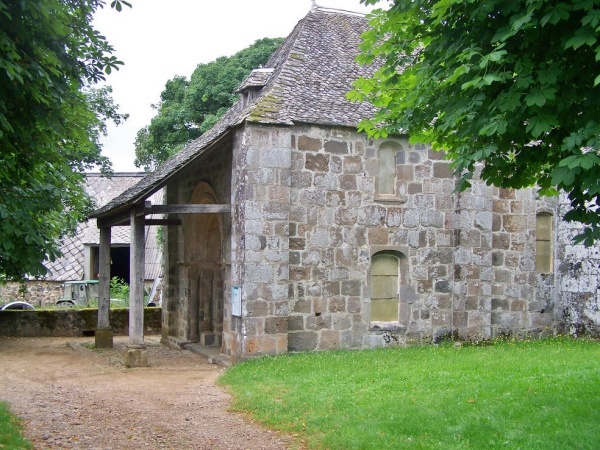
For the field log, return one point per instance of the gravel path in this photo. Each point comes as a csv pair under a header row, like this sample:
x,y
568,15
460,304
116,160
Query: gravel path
x,y
83,399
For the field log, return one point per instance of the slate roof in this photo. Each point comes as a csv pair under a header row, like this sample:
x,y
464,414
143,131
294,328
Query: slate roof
x,y
103,190
312,72
257,78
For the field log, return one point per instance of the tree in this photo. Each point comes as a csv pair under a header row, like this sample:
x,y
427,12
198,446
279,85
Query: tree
x,y
513,84
50,122
187,109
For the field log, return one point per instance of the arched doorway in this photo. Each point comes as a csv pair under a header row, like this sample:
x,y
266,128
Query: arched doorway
x,y
203,255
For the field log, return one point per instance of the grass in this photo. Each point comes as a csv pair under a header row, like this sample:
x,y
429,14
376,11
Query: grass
x,y
10,431
517,395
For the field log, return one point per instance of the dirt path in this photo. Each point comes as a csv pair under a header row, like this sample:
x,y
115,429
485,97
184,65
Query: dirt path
x,y
86,400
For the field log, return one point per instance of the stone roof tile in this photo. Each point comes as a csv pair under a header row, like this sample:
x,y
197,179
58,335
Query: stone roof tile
x,y
102,190
312,72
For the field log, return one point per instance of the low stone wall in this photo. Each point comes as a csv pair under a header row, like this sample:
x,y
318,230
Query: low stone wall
x,y
73,322
38,293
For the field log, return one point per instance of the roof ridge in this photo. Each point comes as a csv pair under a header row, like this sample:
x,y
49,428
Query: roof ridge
x,y
312,72
115,174
326,9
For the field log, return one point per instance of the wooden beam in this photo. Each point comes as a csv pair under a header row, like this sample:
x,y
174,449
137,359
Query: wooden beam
x,y
121,218
188,209
136,281
167,222
104,276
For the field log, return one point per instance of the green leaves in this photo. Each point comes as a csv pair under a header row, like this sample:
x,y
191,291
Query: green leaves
x,y
585,161
512,84
583,36
188,108
118,4
540,96
49,127
541,124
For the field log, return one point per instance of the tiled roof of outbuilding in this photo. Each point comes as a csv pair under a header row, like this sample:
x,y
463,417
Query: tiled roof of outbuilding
x,y
312,72
102,190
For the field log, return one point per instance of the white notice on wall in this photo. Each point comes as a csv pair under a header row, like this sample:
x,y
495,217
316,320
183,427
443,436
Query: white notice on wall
x,y
236,301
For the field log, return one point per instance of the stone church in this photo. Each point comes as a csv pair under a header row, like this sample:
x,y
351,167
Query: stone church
x,y
287,230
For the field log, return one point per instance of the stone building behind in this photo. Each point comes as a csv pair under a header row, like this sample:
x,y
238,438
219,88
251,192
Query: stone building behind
x,y
79,260
321,238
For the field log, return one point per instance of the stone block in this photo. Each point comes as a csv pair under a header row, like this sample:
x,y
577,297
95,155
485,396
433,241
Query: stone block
x,y
435,154
347,182
297,243
501,241
424,201
135,357
414,188
353,164
276,325
442,170
301,180
337,304
394,217
298,273
351,288
318,321
261,345
443,286
309,144
506,193
507,320
276,158
372,216
294,258
341,322
432,218
378,236
354,305
296,323
336,147
317,162
518,305
514,223
103,338
441,318
330,340
331,288
302,341
500,304
405,172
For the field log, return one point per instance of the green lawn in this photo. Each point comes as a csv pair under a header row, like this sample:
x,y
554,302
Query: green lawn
x,y
510,395
10,431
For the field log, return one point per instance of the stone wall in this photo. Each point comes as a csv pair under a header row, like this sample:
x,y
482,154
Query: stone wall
x,y
71,322
260,243
578,281
38,293
312,207
468,259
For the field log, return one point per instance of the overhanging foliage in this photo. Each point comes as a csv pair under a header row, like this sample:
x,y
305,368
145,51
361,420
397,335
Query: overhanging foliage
x,y
510,83
49,125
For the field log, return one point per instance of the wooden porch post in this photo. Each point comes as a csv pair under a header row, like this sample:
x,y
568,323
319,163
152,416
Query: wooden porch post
x,y
136,353
104,334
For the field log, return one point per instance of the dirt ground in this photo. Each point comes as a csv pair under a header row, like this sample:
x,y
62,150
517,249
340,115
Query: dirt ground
x,y
83,399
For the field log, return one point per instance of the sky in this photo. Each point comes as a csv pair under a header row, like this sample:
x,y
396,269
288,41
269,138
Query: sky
x,y
158,40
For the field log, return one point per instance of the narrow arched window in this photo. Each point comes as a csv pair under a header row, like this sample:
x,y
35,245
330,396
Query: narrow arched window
x,y
543,243
385,282
387,169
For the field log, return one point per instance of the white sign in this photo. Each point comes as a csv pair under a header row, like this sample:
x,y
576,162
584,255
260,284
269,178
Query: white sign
x,y
236,301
